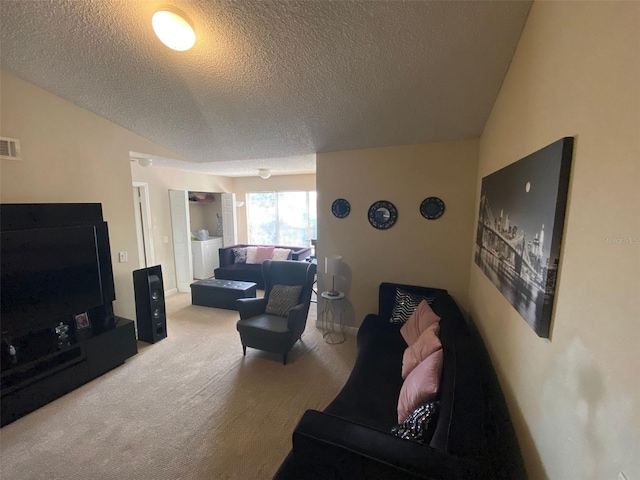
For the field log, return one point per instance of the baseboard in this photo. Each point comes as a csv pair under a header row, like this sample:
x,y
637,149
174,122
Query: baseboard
x,y
168,293
347,329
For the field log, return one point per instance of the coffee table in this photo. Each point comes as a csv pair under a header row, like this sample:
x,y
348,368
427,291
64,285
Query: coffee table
x,y
221,293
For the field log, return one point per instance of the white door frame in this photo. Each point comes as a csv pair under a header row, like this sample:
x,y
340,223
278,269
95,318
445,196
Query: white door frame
x,y
179,206
229,220
146,242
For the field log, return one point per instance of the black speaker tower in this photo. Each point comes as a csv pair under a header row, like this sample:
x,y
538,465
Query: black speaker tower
x,y
150,310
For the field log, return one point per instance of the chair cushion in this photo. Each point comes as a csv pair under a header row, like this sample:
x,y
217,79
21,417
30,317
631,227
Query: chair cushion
x,y
282,299
264,322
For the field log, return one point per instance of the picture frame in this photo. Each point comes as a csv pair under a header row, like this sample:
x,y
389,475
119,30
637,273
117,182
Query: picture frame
x,y
82,321
520,228
382,215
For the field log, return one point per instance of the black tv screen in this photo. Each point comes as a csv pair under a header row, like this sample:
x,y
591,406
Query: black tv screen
x,y
47,276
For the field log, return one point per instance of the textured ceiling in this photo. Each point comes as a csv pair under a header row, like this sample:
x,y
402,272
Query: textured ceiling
x,y
269,79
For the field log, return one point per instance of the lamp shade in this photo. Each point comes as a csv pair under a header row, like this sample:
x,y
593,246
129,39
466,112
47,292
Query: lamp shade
x,y
332,264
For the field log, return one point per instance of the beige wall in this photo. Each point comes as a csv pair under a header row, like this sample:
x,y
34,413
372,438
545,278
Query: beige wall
x,y
72,155
279,183
415,250
160,181
575,397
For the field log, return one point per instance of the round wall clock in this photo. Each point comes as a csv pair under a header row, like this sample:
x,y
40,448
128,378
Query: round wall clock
x,y
432,208
340,208
382,215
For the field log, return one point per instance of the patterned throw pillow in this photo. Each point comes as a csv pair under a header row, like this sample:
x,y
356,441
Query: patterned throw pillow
x,y
405,305
419,425
240,255
282,299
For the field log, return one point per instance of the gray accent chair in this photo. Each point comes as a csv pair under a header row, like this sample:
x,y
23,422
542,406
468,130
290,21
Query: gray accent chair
x,y
270,332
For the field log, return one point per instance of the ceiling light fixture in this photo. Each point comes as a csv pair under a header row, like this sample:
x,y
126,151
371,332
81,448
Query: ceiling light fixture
x,y
173,29
264,173
145,162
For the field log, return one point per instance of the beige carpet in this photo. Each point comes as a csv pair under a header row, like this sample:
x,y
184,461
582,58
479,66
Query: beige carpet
x,y
188,407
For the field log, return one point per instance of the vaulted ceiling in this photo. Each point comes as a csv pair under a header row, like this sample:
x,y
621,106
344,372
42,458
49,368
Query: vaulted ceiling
x,y
269,79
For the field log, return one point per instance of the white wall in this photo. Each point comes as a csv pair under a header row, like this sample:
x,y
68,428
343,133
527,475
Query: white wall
x,y
575,398
72,155
414,251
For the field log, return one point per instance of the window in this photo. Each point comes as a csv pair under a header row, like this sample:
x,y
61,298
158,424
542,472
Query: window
x,y
282,218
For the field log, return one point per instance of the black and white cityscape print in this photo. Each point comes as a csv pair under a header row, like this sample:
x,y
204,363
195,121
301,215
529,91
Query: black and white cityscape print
x,y
520,224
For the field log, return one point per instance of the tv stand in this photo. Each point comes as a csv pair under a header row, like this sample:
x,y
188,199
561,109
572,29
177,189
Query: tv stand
x,y
33,383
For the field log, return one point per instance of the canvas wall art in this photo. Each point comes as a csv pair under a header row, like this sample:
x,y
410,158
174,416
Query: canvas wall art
x,y
520,226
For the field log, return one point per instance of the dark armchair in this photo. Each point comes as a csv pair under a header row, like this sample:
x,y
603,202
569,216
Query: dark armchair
x,y
274,333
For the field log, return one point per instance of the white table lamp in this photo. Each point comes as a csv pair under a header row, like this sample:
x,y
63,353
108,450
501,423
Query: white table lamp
x,y
331,267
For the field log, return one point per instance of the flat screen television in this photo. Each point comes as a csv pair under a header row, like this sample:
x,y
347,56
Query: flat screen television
x,y
47,276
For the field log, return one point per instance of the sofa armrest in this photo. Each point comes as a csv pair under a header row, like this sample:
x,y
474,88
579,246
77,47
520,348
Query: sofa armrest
x,y
226,256
300,253
326,446
250,307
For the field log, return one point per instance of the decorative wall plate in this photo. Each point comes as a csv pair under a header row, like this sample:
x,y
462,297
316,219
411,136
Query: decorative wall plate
x,y
340,208
432,208
382,215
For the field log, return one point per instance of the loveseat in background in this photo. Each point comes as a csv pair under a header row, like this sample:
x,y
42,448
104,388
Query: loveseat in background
x,y
472,436
249,272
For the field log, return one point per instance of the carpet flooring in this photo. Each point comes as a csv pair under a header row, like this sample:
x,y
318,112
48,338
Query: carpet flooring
x,y
188,407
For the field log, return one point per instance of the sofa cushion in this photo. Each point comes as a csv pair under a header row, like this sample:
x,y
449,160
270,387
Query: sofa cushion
x,y
376,372
405,305
419,425
421,349
240,255
421,319
421,385
251,255
282,299
264,253
281,253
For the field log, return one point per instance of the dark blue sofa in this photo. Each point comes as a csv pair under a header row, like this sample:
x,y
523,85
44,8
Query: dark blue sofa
x,y
351,439
246,272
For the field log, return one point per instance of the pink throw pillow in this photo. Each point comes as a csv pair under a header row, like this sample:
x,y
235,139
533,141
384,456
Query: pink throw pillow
x,y
264,253
421,349
421,319
421,385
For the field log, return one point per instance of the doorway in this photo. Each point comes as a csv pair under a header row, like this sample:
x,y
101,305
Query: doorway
x,y
182,227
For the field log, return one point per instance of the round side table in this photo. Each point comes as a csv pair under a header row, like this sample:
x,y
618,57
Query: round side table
x,y
332,316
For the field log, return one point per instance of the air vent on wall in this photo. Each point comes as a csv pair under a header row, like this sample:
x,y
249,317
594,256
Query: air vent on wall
x,y
9,148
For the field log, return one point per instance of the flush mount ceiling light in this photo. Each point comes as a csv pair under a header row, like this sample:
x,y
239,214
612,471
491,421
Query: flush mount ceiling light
x,y
264,173
173,29
145,162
